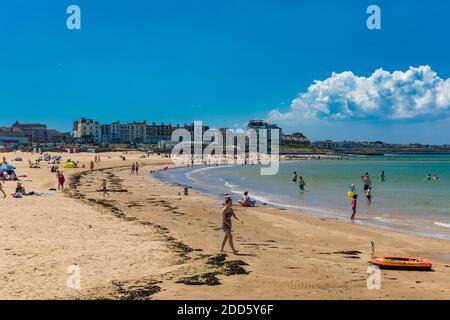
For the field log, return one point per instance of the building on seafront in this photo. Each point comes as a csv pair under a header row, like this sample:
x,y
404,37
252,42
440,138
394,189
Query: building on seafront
x,y
89,131
31,134
264,134
12,137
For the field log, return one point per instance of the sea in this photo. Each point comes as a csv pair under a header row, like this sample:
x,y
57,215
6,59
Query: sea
x,y
406,201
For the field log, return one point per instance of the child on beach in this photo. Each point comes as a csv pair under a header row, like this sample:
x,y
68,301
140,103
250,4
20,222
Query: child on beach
x,y
61,179
227,214
104,188
353,205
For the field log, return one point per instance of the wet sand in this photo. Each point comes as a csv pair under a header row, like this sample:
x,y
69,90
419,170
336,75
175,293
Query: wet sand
x,y
147,240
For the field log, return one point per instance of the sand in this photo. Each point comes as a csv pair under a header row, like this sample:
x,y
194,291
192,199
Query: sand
x,y
147,241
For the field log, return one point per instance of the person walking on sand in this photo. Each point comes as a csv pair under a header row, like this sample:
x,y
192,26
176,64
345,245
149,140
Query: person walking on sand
x,y
1,188
353,205
104,188
227,214
133,168
61,180
136,168
92,165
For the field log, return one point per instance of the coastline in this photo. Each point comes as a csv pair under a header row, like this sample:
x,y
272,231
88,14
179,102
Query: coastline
x,y
155,238
193,178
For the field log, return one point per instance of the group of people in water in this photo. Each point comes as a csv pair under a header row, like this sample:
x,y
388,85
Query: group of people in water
x,y
367,187
299,179
433,177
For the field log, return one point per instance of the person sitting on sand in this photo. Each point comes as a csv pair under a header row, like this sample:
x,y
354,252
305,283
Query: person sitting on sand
x,y
20,189
227,214
186,191
246,201
12,176
226,197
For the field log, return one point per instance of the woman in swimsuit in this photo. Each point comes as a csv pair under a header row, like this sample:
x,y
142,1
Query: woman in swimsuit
x,y
227,214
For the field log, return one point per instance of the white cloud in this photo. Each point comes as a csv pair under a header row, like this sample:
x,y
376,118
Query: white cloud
x,y
418,93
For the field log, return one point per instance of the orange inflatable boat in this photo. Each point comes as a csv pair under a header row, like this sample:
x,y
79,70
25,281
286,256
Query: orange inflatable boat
x,y
402,263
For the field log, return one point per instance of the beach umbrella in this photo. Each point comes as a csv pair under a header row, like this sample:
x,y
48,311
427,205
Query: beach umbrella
x,y
7,167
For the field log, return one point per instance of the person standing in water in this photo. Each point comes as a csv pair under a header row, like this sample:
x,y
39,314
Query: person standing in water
x,y
294,178
369,195
382,175
301,183
227,214
367,181
353,205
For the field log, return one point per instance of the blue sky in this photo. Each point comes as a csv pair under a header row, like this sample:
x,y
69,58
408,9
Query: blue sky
x,y
222,62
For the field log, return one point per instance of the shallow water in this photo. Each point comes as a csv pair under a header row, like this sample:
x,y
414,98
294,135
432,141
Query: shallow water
x,y
405,201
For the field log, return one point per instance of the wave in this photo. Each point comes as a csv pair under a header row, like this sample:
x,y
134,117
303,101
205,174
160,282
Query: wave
x,y
442,224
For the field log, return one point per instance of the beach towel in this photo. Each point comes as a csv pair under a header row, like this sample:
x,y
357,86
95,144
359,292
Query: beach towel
x,y
70,165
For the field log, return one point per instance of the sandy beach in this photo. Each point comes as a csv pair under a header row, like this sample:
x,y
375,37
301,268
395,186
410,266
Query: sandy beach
x,y
148,241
